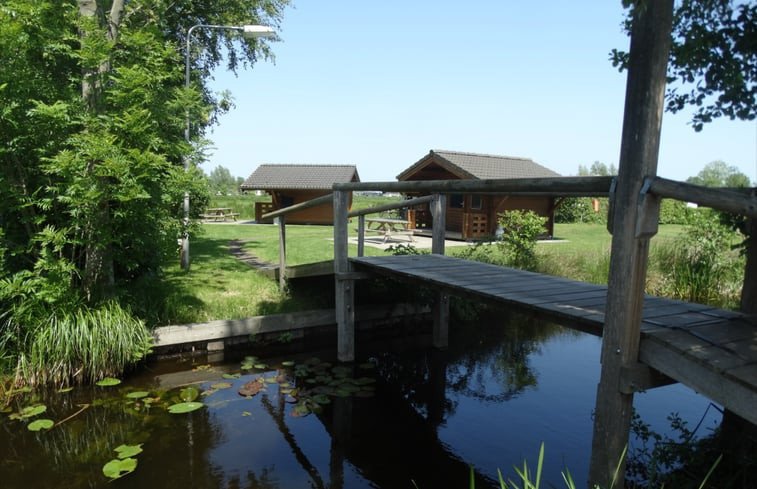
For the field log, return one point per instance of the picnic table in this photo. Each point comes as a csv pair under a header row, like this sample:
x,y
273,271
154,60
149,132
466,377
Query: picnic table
x,y
219,214
388,228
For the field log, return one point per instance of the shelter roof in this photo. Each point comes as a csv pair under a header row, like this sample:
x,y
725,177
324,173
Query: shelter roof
x,y
297,176
480,166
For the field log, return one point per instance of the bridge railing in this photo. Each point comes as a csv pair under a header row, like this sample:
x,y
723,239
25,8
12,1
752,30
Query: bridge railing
x,y
281,215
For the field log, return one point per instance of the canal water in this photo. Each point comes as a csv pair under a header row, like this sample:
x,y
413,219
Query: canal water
x,y
403,416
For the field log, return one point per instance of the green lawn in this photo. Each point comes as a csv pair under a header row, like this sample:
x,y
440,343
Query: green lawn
x,y
218,286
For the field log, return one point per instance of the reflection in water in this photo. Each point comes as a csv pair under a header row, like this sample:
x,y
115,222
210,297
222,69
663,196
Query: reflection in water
x,y
505,385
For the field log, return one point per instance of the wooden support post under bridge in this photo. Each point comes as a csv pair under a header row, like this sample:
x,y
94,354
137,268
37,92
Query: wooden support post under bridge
x,y
441,303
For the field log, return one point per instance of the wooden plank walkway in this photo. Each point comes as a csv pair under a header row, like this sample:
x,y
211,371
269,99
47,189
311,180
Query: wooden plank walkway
x,y
711,350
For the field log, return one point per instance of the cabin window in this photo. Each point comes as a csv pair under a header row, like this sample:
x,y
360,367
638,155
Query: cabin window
x,y
476,202
456,201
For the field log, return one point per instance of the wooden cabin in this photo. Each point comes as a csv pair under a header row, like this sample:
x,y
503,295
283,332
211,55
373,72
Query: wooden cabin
x,y
293,184
471,216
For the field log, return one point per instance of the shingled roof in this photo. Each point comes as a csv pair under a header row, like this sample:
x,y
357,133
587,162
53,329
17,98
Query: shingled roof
x,y
481,166
304,177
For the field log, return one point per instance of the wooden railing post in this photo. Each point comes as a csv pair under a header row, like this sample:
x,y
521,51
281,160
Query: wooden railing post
x,y
361,235
282,253
345,294
645,89
438,208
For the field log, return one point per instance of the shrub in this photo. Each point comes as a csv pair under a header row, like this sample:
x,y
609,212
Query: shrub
x,y
701,264
521,231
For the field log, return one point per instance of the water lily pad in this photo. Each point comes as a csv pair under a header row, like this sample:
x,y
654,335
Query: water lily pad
x,y
30,411
364,381
313,361
40,424
367,365
65,389
271,380
232,376
251,388
321,399
342,393
126,451
300,411
137,394
221,385
287,363
260,366
341,371
246,366
349,387
189,394
250,359
118,468
108,382
184,407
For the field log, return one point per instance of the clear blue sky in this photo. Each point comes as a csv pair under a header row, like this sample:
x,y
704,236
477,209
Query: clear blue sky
x,y
378,84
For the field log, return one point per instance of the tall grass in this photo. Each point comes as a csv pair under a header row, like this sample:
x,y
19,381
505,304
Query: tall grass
x,y
83,346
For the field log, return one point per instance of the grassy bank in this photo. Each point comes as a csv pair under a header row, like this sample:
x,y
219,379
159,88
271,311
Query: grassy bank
x,y
220,286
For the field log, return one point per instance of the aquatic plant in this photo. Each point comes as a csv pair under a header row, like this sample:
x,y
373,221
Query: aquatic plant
x,y
83,346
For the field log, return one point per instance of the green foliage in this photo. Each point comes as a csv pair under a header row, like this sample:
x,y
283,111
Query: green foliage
x,y
581,209
221,182
701,265
518,243
92,118
599,169
83,346
712,66
674,212
719,174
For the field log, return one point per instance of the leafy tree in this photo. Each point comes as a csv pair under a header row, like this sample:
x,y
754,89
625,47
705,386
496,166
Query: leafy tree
x,y
599,169
714,53
582,209
92,117
221,181
720,174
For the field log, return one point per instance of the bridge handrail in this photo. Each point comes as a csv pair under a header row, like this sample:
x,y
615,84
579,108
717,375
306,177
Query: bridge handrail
x,y
392,206
741,201
323,199
595,186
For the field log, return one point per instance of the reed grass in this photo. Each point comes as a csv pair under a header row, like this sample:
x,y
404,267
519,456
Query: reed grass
x,y
83,346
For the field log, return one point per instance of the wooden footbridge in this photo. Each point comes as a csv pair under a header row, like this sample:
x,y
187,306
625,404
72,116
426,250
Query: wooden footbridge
x,y
647,341
713,351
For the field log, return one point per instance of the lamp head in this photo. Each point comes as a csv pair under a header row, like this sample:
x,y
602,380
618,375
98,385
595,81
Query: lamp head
x,y
249,31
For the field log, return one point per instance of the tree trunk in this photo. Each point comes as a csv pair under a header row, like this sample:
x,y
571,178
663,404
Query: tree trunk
x,y
99,274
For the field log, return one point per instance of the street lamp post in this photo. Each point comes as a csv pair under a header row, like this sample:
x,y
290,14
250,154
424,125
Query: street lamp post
x,y
248,31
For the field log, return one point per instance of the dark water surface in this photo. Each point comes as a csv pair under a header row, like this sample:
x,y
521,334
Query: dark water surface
x,y
410,418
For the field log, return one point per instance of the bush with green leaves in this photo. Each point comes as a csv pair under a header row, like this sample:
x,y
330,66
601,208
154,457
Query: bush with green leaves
x,y
521,232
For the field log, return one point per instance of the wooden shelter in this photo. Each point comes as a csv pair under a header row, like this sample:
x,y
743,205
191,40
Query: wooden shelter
x,y
289,185
471,216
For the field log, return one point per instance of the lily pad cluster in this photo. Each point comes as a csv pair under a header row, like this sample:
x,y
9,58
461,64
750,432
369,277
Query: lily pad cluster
x,y
124,463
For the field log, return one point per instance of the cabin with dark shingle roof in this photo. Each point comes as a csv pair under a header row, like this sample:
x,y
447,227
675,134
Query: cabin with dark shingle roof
x,y
473,215
292,184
